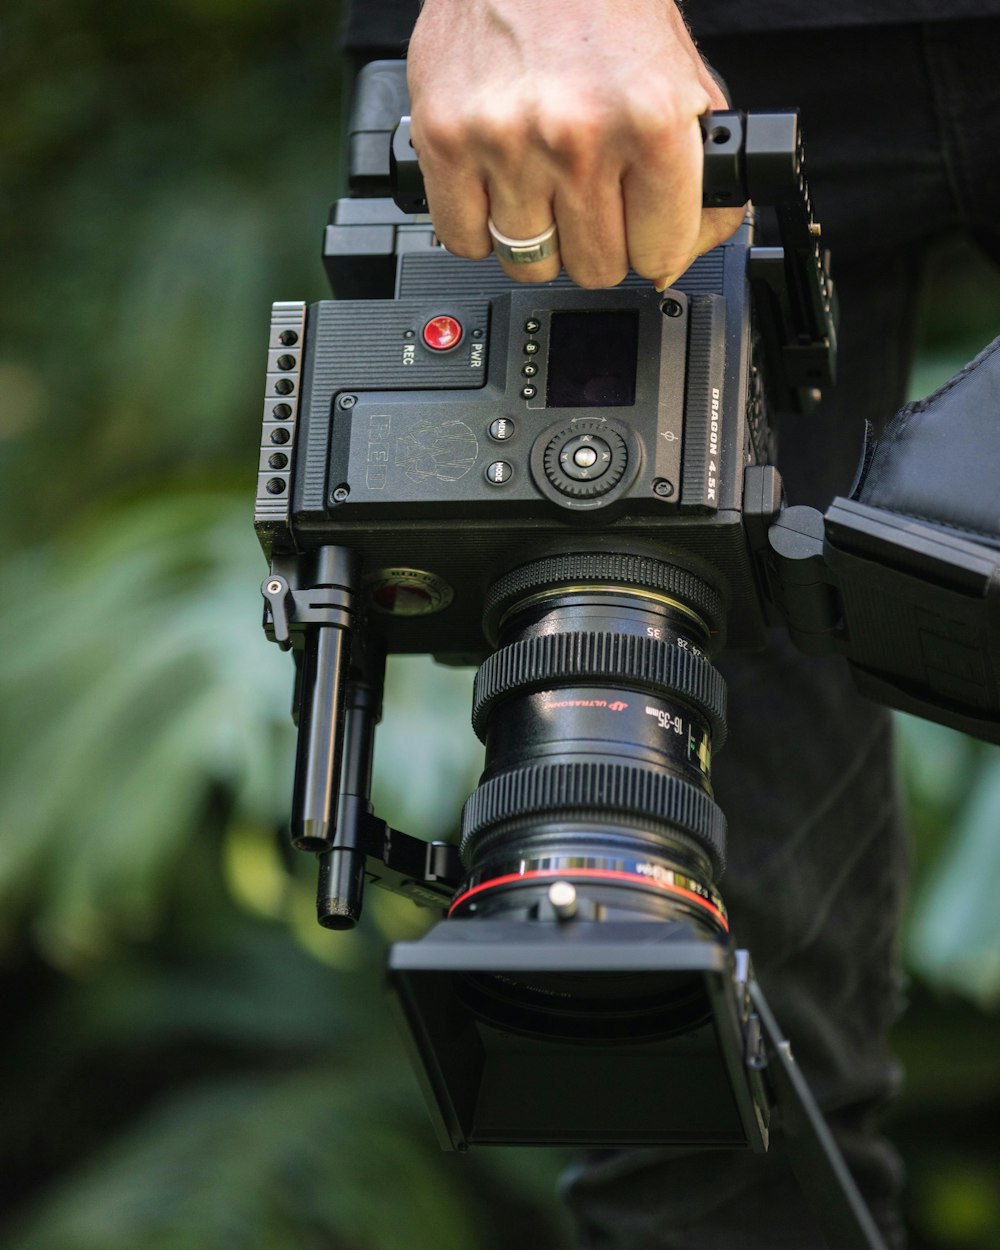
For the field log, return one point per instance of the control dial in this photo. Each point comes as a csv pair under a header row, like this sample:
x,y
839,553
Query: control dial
x,y
585,460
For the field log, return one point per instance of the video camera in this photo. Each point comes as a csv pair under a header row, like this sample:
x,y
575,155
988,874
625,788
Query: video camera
x,y
575,490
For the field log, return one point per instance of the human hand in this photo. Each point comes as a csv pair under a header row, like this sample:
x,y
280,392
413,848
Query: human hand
x,y
582,112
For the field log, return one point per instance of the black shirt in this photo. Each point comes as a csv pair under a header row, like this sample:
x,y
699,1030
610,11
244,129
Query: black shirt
x,y
382,27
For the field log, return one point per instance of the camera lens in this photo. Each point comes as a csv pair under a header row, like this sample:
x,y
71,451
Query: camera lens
x,y
599,710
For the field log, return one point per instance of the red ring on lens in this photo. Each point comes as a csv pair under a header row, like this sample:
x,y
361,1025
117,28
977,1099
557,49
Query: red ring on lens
x,y
600,874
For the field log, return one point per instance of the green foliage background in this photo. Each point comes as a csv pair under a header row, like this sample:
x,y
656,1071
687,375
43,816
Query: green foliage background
x,y
188,1060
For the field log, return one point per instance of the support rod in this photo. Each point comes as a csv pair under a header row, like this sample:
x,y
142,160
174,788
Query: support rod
x,y
326,612
342,868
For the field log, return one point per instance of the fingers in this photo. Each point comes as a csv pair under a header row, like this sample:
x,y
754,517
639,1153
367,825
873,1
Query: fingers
x,y
589,222
613,209
455,189
587,210
662,198
717,225
523,212
467,183
667,228
649,218
592,230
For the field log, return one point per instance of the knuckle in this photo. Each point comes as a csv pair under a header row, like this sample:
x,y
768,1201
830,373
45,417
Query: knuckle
x,y
663,127
497,131
648,124
657,116
435,136
573,141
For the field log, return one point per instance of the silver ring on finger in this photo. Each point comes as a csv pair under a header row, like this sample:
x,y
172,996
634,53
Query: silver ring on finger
x,y
524,251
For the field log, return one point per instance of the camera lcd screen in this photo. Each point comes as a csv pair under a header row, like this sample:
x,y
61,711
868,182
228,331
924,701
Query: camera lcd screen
x,y
592,359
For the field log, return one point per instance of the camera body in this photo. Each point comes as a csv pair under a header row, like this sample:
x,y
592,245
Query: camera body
x,y
448,434
446,423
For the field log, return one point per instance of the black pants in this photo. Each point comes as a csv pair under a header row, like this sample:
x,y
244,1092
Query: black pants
x,y
902,130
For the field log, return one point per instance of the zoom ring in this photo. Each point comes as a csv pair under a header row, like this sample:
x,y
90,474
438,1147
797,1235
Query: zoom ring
x,y
649,663
552,789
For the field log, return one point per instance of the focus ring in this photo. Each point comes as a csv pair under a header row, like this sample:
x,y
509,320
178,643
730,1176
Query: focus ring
x,y
543,660
596,787
620,569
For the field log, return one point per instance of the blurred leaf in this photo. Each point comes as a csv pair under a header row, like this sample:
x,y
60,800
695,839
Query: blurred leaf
x,y
136,681
961,1206
960,310
285,1163
134,678
427,759
954,936
933,369
178,159
936,762
245,986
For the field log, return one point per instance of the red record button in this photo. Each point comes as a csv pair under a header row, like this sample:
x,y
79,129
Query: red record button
x,y
442,333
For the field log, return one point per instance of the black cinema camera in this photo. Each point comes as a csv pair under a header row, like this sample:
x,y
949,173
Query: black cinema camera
x,y
575,489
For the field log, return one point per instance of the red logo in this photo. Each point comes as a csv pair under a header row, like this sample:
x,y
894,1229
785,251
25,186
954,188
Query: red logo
x,y
617,706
